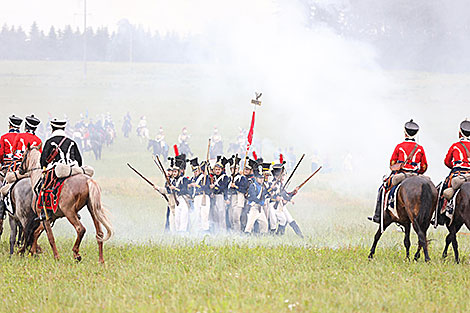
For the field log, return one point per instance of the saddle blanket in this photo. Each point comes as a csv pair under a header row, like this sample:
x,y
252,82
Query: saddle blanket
x,y
49,198
391,199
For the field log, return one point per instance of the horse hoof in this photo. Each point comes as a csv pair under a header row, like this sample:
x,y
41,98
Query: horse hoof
x,y
444,255
457,261
370,257
427,260
78,258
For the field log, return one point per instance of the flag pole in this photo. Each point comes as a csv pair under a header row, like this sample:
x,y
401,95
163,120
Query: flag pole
x,y
255,102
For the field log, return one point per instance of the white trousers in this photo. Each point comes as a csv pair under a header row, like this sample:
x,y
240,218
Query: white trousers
x,y
202,211
219,213
181,215
283,216
236,206
256,213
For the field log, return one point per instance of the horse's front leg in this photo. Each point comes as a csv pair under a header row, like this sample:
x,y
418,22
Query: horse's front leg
x,y
377,236
80,229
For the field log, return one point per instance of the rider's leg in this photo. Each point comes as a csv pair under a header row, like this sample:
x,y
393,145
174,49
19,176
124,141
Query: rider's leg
x,y
378,207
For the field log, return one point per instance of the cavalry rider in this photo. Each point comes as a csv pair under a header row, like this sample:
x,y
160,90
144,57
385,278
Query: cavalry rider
x,y
220,190
256,197
408,157
67,149
238,189
200,192
22,140
7,140
457,158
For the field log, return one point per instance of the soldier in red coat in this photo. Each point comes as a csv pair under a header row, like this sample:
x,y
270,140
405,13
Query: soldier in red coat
x,y
408,157
8,139
457,158
29,137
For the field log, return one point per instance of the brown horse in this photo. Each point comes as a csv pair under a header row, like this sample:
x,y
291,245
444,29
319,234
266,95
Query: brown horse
x,y
461,216
78,191
416,199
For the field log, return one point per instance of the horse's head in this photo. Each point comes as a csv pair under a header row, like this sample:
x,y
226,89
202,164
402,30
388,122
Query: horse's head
x,y
30,160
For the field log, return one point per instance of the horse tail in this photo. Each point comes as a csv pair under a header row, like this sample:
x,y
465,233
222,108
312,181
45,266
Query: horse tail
x,y
28,235
425,209
98,210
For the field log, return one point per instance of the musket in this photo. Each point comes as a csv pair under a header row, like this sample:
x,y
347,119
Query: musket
x,y
292,174
203,202
148,181
302,184
167,180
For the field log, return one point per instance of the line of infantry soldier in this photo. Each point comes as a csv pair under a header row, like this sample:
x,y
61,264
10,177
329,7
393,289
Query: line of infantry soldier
x,y
223,197
409,158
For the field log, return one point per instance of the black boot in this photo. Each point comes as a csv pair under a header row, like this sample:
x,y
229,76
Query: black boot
x,y
280,230
378,207
296,229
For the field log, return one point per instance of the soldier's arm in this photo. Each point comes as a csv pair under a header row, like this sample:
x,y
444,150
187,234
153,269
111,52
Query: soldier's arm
x,y
394,158
424,164
449,158
78,156
2,151
45,153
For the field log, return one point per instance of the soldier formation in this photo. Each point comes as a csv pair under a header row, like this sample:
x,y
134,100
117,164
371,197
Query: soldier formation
x,y
230,195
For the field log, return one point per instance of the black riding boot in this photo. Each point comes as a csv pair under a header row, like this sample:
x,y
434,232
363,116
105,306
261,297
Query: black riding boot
x,y
378,207
280,230
296,229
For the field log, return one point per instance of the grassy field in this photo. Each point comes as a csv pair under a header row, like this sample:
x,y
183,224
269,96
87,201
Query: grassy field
x,y
147,271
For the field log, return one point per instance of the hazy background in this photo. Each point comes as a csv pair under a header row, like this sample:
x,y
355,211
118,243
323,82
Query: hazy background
x,y
339,80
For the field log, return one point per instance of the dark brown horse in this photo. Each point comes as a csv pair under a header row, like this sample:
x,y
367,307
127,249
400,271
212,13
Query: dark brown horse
x,y
461,217
78,191
416,199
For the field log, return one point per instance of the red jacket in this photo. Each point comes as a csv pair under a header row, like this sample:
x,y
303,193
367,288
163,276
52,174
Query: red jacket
x,y
21,143
457,155
6,146
417,163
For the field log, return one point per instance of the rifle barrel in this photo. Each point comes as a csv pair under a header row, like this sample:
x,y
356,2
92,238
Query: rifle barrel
x,y
292,174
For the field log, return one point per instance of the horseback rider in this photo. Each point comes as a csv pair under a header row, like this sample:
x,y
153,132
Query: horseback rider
x,y
7,140
68,152
408,157
22,140
457,160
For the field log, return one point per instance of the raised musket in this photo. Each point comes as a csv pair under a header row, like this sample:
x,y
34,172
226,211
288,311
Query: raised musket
x,y
147,180
167,180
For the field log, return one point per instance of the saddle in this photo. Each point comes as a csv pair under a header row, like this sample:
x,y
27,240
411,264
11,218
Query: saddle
x,y
48,197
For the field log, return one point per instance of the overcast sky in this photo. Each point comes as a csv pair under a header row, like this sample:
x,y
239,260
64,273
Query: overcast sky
x,y
183,16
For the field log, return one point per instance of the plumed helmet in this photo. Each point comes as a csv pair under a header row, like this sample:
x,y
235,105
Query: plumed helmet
x,y
32,121
411,128
180,161
465,128
251,164
15,121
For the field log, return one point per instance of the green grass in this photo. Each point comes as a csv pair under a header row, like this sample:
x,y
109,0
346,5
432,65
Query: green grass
x,y
243,275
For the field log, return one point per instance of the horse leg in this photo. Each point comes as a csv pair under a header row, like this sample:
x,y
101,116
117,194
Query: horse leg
x,y
50,237
80,229
455,227
13,233
407,241
377,236
448,241
422,243
36,234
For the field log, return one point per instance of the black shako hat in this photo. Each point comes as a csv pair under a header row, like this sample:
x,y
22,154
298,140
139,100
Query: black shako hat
x,y
180,161
411,128
277,169
194,164
32,121
251,164
234,161
58,123
465,128
221,161
15,121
